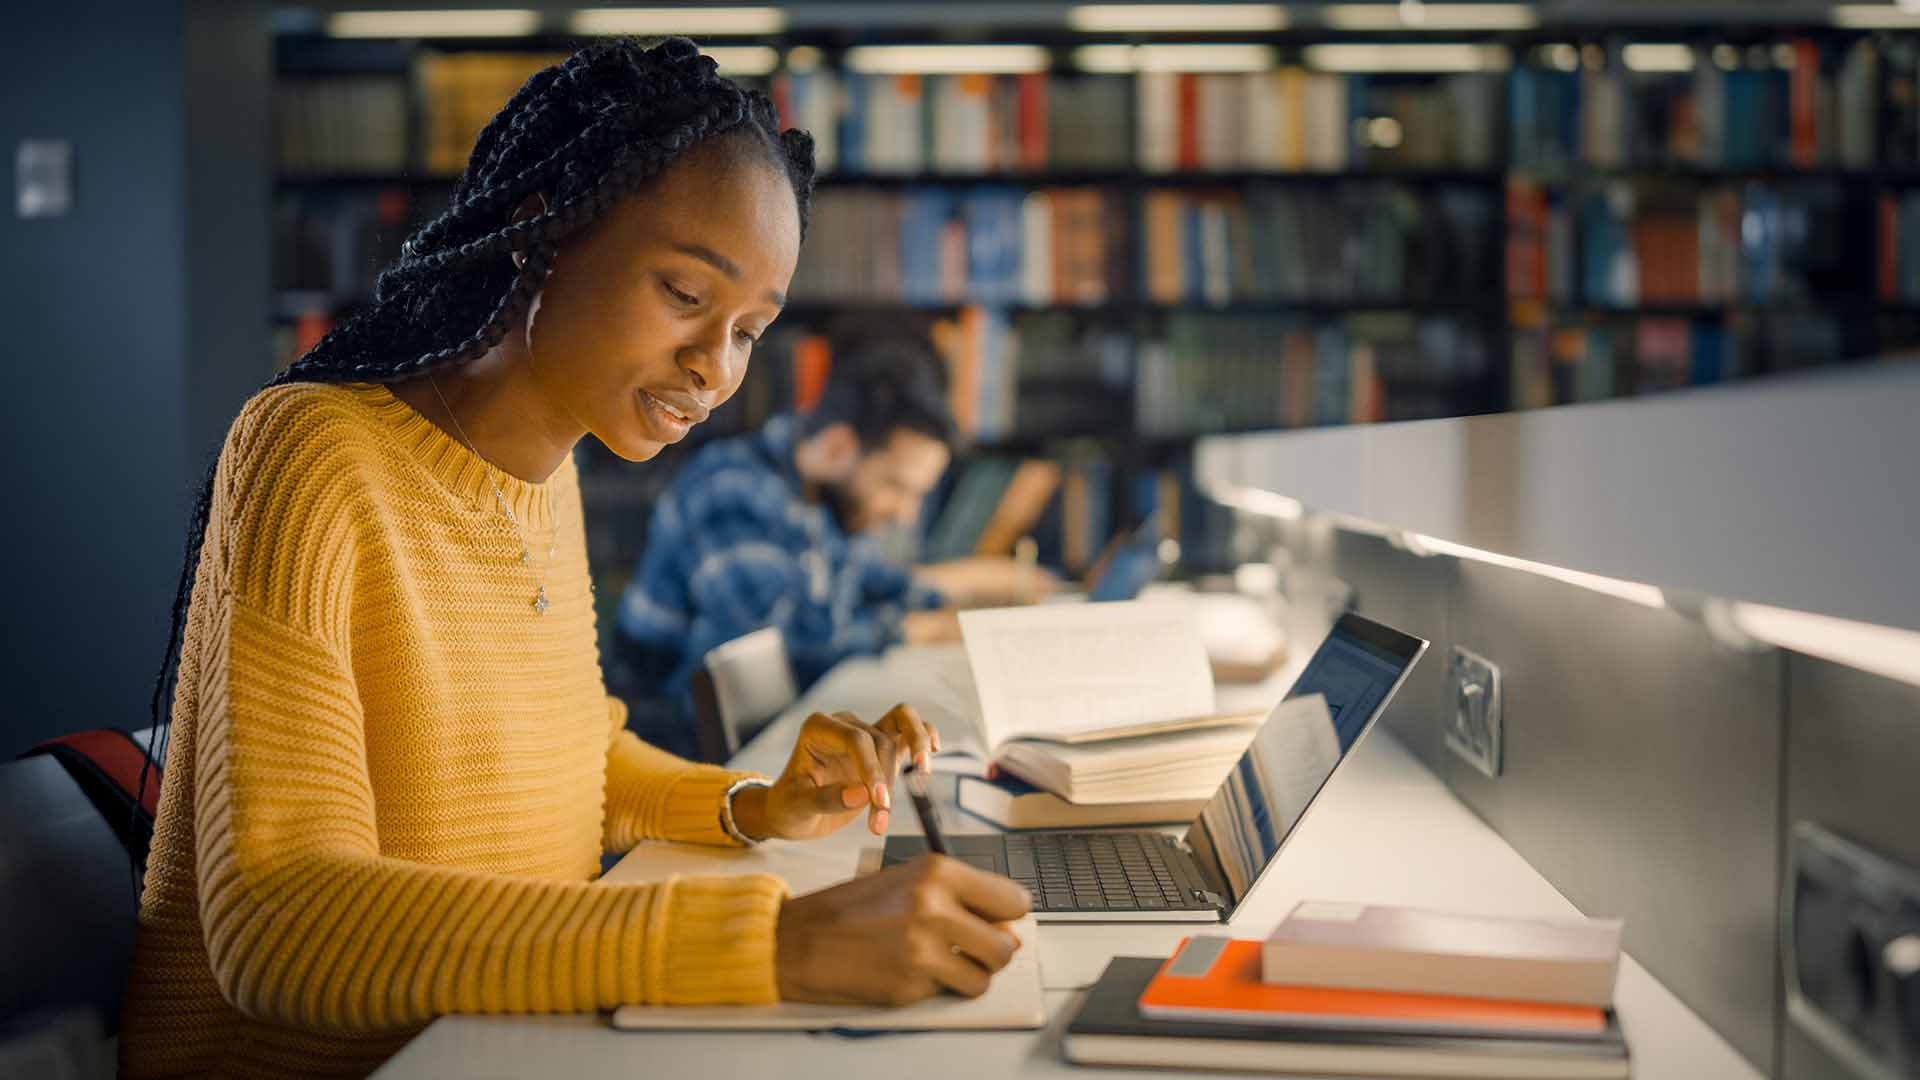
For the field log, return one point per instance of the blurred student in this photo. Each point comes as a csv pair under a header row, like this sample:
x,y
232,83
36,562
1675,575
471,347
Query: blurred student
x,y
781,528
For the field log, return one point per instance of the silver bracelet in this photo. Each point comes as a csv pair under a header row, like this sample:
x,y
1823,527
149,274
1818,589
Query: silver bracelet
x,y
726,806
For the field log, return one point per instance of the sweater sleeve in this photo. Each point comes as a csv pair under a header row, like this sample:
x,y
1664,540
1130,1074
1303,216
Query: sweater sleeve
x,y
307,923
653,795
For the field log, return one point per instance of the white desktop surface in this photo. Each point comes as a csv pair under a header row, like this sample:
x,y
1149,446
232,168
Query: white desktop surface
x,y
1386,830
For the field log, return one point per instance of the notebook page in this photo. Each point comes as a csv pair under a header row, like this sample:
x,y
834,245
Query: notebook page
x,y
1064,669
1014,1000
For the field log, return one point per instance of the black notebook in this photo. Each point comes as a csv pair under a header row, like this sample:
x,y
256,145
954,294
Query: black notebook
x,y
1109,1030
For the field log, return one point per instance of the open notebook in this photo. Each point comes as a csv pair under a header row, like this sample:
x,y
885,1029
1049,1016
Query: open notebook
x,y
1014,1001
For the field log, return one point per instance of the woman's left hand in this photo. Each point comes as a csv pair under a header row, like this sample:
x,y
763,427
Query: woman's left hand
x,y
839,767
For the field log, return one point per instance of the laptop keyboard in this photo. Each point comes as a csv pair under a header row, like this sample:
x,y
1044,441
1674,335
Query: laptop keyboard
x,y
1093,871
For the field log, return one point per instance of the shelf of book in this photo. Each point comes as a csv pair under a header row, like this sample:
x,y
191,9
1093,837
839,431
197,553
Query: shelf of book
x,y
1138,259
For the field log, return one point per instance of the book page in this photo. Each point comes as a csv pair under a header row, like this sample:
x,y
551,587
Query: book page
x,y
1057,670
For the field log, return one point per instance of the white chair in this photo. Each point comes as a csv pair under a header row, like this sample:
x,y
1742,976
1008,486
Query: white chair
x,y
742,685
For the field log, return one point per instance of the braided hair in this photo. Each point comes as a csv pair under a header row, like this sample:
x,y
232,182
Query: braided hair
x,y
580,134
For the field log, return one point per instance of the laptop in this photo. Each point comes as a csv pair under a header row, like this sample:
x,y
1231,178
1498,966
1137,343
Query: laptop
x,y
1204,876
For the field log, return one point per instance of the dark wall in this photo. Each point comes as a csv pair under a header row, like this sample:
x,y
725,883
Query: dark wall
x,y
1653,772
109,359
1853,746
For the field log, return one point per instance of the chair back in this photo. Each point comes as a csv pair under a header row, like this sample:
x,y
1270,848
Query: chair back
x,y
747,682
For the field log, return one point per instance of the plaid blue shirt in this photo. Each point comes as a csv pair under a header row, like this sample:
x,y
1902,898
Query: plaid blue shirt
x,y
733,547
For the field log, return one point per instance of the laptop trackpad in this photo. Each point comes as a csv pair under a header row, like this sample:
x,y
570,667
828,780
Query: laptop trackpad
x,y
980,852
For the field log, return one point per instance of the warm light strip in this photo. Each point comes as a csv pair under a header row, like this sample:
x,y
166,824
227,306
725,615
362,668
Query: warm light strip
x,y
1874,17
1126,58
695,21
1644,595
945,59
747,60
1146,18
1429,16
497,22
1882,650
1422,56
1258,501
1657,57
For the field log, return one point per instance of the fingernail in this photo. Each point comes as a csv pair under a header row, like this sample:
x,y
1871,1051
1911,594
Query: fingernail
x,y
880,823
882,796
921,760
853,797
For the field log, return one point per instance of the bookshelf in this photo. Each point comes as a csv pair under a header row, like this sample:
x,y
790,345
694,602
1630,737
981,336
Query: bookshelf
x,y
1117,263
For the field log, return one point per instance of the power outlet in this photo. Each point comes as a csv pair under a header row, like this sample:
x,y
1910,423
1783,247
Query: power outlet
x,y
1473,730
1853,953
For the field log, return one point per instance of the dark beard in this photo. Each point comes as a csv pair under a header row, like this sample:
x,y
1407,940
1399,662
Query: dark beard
x,y
843,507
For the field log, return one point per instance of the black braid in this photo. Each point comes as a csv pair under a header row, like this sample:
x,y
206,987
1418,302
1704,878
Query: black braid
x,y
581,133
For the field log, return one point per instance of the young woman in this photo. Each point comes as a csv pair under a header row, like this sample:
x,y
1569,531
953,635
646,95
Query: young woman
x,y
393,767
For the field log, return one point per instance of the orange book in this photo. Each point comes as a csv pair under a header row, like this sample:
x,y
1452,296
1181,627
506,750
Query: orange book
x,y
1033,121
1188,110
1803,126
812,362
1219,981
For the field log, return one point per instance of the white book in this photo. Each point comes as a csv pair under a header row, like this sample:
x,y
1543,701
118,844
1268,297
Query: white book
x,y
1378,947
819,107
1157,143
1261,120
1036,249
1326,122
1220,120
1071,672
1101,703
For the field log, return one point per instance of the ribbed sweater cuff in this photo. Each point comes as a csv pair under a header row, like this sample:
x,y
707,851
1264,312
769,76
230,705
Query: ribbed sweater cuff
x,y
712,942
690,812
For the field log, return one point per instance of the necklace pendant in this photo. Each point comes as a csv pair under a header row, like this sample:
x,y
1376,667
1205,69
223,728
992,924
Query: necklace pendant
x,y
540,604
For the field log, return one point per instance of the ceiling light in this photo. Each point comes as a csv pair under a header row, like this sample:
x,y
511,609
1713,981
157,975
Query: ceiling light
x,y
692,21
945,59
1108,59
1874,17
1651,57
804,58
497,22
748,60
1429,16
1147,18
1423,56
1214,58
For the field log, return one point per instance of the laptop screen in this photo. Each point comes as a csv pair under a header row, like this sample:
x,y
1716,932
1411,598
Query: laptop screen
x,y
1357,669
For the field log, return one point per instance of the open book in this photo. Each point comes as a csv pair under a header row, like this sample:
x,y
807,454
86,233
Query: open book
x,y
1118,690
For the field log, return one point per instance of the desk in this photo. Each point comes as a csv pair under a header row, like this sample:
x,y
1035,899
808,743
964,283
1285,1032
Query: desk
x,y
1386,830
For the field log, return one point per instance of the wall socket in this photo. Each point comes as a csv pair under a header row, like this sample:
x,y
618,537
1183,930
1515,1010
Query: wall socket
x,y
1852,952
1473,730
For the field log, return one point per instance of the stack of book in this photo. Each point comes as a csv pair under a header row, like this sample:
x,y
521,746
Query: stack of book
x,y
1097,714
1347,989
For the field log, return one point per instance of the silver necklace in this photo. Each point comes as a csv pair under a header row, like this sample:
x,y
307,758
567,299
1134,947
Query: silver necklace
x,y
540,603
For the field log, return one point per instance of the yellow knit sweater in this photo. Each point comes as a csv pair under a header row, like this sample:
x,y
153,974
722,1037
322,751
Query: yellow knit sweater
x,y
390,780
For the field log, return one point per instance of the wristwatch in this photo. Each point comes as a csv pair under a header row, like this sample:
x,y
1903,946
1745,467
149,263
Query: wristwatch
x,y
726,806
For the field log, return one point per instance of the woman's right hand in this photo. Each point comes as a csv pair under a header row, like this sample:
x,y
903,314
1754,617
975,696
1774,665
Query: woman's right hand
x,y
899,935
